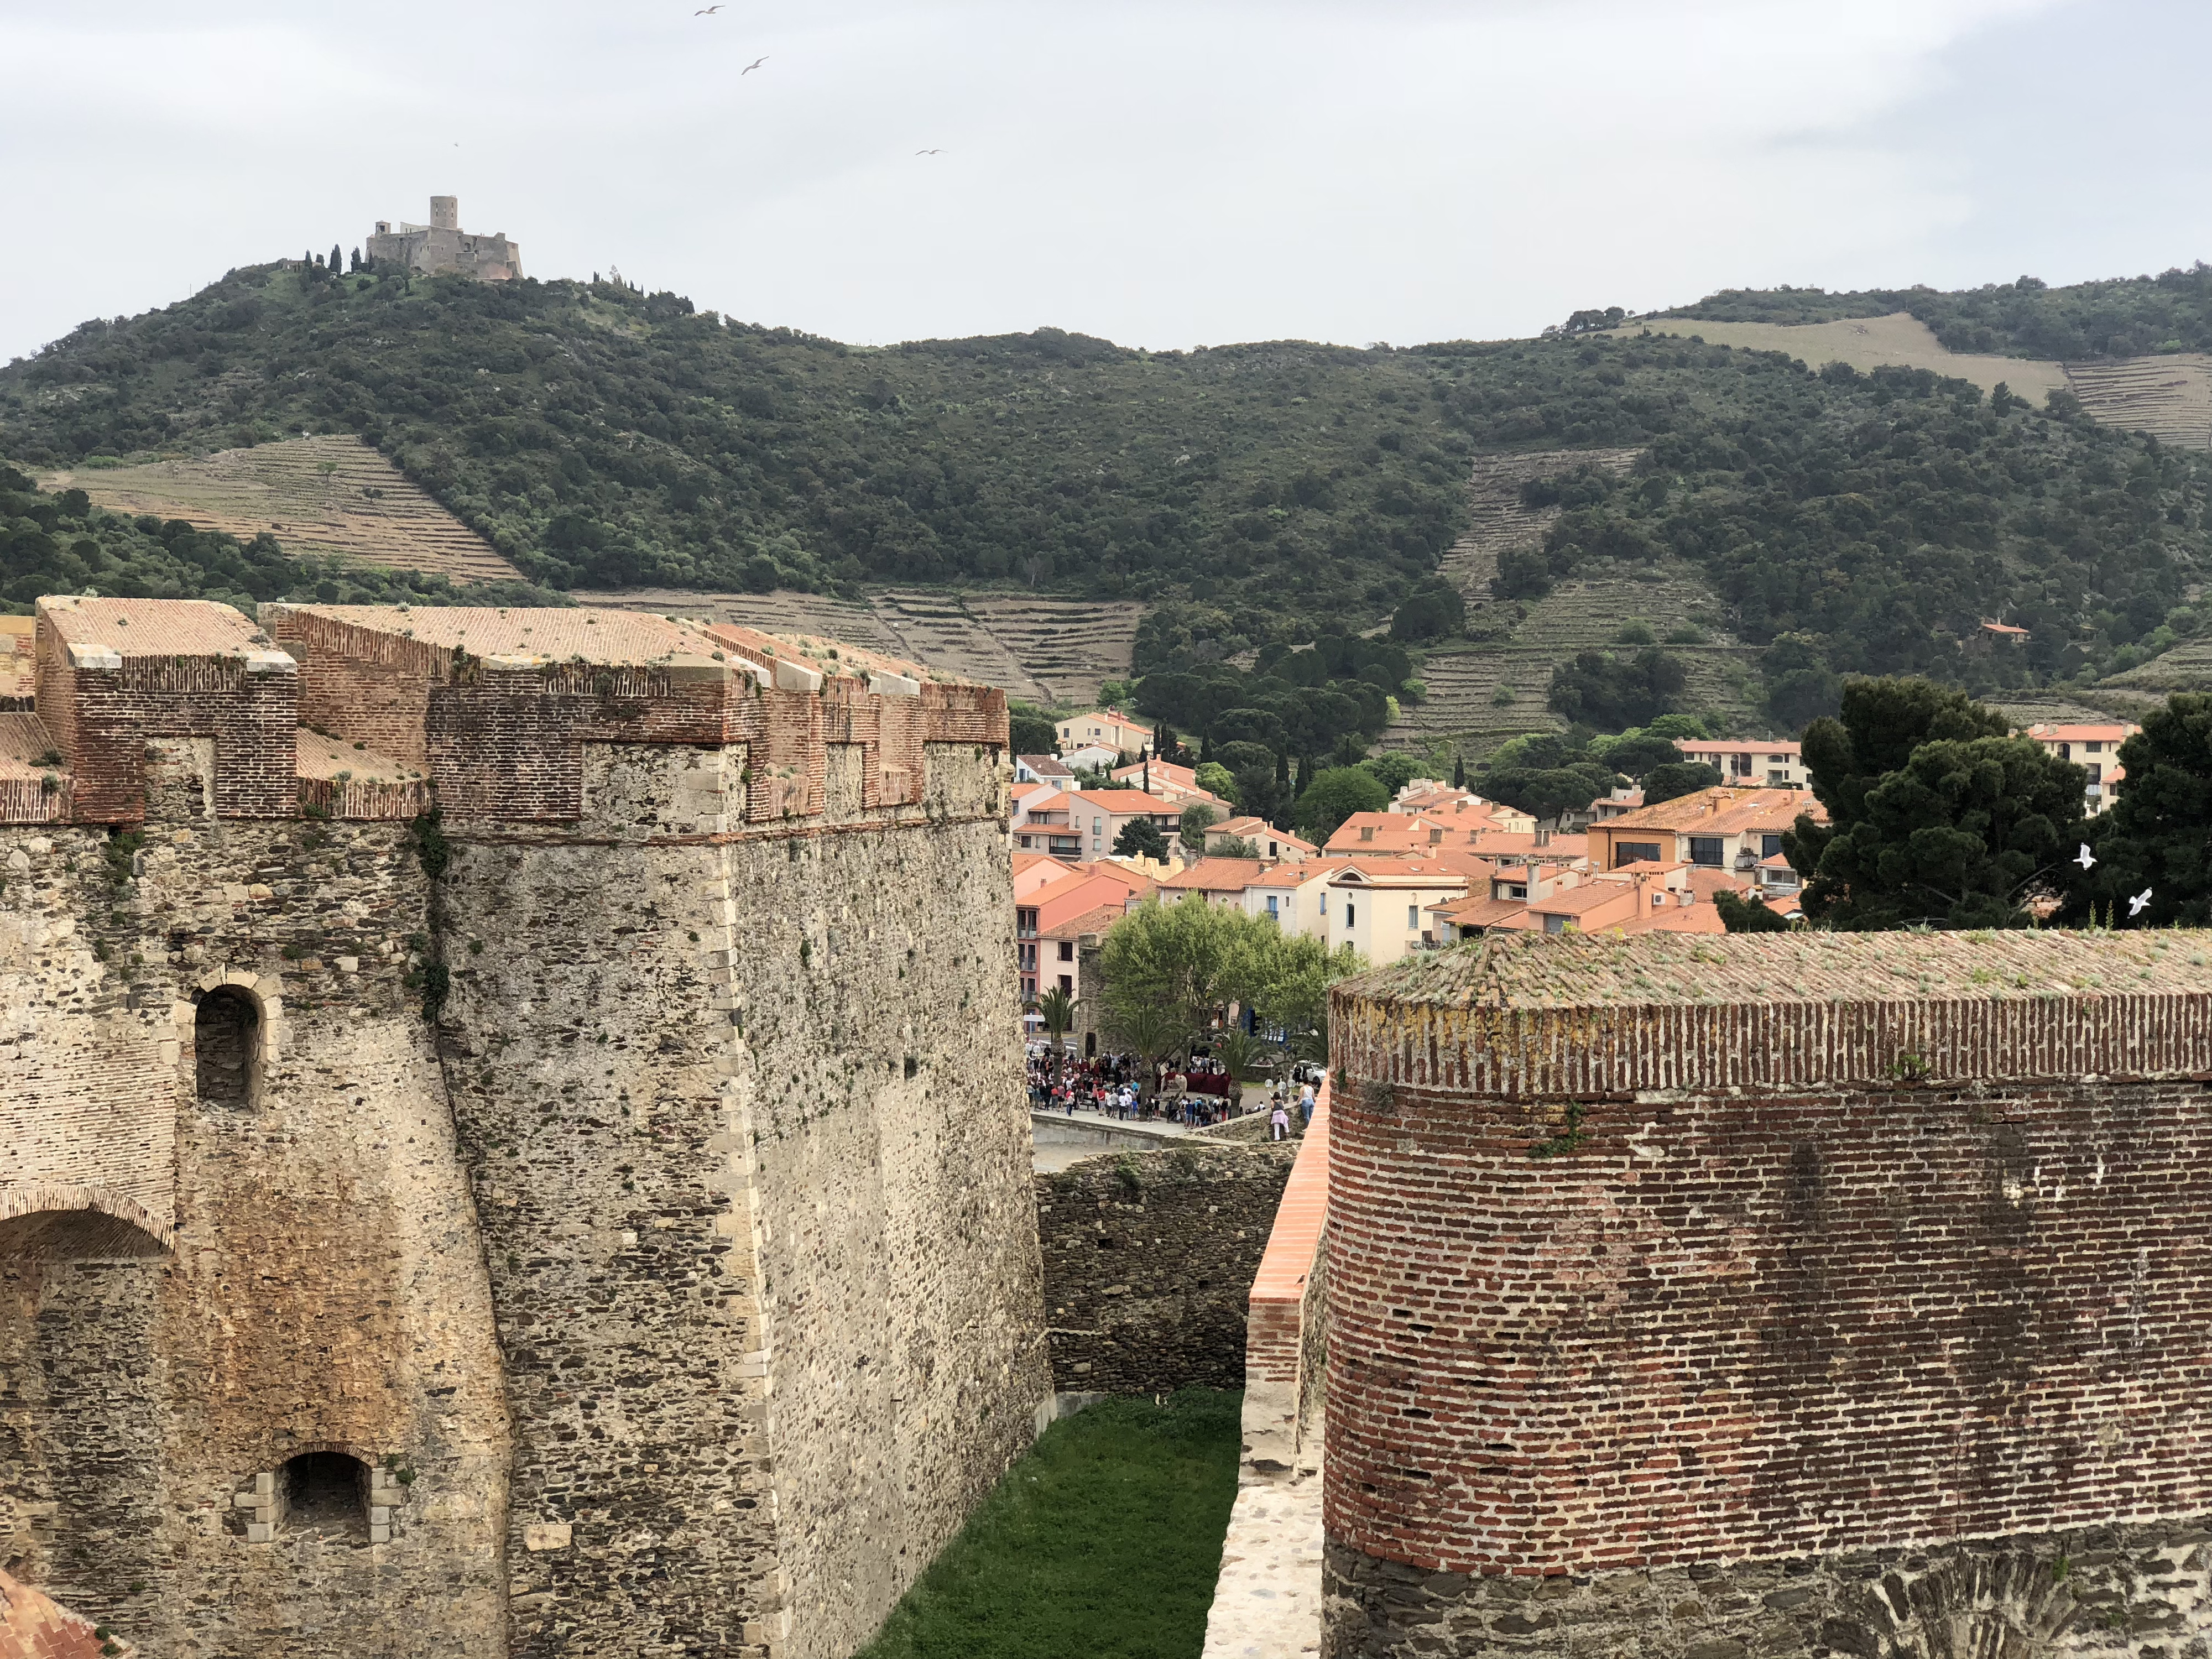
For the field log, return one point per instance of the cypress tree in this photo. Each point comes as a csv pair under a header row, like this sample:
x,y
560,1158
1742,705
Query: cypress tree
x,y
1282,769
1459,771
337,258
1205,747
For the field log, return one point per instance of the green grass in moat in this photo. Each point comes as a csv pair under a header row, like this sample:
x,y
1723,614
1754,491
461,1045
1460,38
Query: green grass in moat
x,y
1102,1543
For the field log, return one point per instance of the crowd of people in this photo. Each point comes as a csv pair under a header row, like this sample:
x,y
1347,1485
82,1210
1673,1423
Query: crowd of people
x,y
1197,1095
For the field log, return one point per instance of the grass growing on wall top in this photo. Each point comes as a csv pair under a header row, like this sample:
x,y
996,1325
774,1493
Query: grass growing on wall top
x,y
1102,1543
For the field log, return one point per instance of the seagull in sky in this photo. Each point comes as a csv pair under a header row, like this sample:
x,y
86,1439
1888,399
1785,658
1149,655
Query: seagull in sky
x,y
2084,858
750,67
2139,903
929,152
707,11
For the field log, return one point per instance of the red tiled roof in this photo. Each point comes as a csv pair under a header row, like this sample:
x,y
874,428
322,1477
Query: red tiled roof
x,y
1211,875
1125,801
1723,811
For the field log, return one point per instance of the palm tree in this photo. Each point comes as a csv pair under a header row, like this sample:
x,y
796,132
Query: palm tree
x,y
1057,1009
1242,1055
1149,1029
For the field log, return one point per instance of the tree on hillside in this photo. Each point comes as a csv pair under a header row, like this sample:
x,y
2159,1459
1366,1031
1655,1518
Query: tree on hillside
x,y
1636,753
1140,838
2155,836
1214,778
1029,730
1459,771
1393,770
1333,796
1545,793
1611,692
1197,819
1232,847
1434,612
1665,783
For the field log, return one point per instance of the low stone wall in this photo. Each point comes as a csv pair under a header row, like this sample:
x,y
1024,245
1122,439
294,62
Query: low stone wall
x,y
1148,1257
2138,1591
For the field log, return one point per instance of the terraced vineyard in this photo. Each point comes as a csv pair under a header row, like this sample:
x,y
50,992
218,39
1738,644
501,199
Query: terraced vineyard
x,y
330,496
1067,647
1052,651
1485,690
2168,397
772,613
1497,521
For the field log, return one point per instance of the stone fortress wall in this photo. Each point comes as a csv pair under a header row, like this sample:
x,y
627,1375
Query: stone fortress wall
x,y
442,246
675,1288
1778,1294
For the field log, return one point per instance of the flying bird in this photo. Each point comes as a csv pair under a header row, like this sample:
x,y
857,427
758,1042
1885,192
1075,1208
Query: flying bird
x,y
929,152
750,67
2084,858
707,11
2139,903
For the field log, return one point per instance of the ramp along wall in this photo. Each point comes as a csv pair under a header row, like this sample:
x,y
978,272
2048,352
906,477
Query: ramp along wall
x,y
1774,1294
673,1285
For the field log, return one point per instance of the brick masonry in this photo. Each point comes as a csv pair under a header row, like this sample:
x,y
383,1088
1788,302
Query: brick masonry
x,y
679,1284
1148,1259
1588,1345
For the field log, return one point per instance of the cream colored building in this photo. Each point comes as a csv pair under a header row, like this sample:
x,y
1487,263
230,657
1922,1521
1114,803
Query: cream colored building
x,y
1380,907
1108,728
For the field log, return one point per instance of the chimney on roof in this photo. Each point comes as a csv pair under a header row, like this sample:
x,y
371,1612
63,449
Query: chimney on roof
x,y
1543,838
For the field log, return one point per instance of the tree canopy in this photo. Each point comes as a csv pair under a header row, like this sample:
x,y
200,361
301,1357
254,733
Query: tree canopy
x,y
1333,796
2157,834
1935,815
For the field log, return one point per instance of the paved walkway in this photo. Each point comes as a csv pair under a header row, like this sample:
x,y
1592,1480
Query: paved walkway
x,y
1267,1603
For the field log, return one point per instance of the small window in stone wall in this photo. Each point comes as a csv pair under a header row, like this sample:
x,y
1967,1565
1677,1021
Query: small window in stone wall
x,y
325,1495
225,1039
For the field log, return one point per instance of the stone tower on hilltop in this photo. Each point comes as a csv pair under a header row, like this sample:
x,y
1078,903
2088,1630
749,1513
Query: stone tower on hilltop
x,y
591,1218
442,246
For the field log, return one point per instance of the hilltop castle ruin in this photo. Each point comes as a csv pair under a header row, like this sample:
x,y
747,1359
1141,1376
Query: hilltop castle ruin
x,y
443,246
592,1218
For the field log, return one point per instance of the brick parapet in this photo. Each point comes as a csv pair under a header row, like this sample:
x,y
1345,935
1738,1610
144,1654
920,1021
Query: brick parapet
x,y
1586,1331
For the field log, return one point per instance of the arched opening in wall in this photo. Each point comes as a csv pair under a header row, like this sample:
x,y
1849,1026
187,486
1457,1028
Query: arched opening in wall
x,y
226,1040
325,1495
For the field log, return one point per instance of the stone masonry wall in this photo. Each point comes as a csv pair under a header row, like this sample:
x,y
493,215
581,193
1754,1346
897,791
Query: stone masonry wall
x,y
2144,1592
1148,1259
327,1291
751,1196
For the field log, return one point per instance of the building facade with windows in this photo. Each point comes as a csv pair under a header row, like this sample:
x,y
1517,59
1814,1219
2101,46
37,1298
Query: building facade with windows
x,y
1768,760
2095,749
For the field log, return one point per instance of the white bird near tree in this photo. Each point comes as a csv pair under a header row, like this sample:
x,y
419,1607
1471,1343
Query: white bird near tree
x,y
2139,903
2084,858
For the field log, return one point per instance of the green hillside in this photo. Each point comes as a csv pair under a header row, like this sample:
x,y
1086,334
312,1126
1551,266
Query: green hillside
x,y
1256,496
2126,317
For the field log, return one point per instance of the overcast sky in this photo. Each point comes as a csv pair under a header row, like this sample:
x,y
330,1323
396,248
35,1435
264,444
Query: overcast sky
x,y
1164,173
